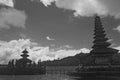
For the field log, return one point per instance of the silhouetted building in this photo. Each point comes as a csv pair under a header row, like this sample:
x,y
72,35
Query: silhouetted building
x,y
22,66
99,62
24,62
101,49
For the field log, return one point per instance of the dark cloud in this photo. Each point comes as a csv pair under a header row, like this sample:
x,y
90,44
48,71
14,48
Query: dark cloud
x,y
88,7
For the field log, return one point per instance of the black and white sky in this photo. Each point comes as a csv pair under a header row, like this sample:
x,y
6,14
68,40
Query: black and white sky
x,y
52,29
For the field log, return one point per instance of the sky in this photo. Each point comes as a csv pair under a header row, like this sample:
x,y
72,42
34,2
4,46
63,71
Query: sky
x,y
52,29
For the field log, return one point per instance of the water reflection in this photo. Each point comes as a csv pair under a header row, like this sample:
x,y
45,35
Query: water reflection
x,y
38,77
54,77
98,78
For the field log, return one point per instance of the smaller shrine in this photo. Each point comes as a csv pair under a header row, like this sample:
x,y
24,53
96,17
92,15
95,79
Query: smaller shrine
x,y
24,62
23,66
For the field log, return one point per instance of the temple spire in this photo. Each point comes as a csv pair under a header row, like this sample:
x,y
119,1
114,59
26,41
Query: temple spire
x,y
25,54
101,44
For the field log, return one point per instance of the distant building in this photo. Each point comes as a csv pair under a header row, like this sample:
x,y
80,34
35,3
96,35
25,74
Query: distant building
x,y
22,66
24,62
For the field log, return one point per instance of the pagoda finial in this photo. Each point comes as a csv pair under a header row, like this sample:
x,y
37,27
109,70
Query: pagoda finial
x,y
101,43
25,53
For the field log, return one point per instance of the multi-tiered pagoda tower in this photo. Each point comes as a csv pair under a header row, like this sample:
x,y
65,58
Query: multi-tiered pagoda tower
x,y
24,61
101,60
101,50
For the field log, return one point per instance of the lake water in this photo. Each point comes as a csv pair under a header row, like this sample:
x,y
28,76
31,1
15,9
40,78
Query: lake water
x,y
53,77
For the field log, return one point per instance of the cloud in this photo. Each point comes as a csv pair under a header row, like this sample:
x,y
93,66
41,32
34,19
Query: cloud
x,y
9,3
50,39
12,50
88,7
85,50
117,28
67,46
45,53
70,52
47,2
23,36
10,17
118,48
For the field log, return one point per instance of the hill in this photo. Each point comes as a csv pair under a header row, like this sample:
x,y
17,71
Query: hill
x,y
68,61
83,58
